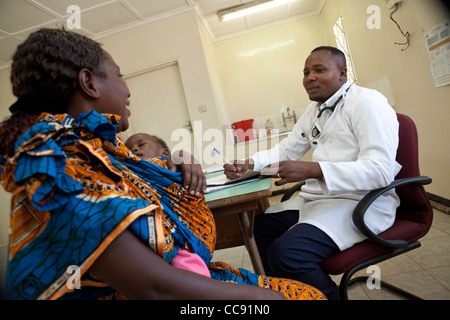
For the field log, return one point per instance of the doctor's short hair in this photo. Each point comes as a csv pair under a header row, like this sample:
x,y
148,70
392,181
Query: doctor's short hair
x,y
337,54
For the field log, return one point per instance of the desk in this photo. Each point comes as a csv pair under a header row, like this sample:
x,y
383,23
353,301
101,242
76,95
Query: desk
x,y
244,201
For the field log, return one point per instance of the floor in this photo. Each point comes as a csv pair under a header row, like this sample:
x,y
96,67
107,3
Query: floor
x,y
424,272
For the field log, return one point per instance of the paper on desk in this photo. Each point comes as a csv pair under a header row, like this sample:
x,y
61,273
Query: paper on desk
x,y
210,189
215,168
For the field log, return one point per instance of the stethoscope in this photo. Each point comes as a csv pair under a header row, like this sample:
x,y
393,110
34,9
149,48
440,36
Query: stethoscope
x,y
315,132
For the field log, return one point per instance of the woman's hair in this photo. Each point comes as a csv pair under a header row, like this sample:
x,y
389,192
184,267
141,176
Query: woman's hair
x,y
44,77
46,66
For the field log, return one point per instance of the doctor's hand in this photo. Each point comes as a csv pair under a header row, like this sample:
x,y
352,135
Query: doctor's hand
x,y
293,171
238,168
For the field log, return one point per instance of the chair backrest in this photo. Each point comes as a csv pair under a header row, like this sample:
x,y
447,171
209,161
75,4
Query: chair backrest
x,y
414,203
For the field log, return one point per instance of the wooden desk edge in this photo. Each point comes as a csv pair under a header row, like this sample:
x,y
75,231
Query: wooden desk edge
x,y
239,199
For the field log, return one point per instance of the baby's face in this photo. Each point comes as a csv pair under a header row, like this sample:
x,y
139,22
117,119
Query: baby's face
x,y
145,147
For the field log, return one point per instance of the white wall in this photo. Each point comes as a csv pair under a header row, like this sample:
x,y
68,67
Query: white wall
x,y
261,72
156,43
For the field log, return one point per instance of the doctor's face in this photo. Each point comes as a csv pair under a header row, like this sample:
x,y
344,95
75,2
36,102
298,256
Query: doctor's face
x,y
322,76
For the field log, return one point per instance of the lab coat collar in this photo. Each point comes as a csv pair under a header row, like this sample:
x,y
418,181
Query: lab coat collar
x,y
335,96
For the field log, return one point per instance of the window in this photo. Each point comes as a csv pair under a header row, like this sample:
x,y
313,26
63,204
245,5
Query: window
x,y
342,44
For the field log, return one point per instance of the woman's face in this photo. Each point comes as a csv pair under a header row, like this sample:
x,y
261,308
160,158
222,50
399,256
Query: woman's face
x,y
114,93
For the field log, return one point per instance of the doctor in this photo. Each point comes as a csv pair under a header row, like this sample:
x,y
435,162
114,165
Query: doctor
x,y
353,133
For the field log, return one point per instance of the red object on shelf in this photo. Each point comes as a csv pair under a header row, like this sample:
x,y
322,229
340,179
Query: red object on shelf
x,y
244,130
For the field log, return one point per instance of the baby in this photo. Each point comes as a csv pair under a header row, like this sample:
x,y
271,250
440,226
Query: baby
x,y
147,146
153,148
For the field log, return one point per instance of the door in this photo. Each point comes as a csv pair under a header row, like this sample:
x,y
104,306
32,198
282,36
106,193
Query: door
x,y
158,106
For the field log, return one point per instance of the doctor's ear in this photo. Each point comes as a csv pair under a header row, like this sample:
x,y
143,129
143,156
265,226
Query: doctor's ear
x,y
343,73
88,83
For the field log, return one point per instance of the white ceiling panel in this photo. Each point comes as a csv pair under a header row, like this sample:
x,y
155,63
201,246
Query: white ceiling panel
x,y
304,7
149,8
18,18
107,17
60,6
7,48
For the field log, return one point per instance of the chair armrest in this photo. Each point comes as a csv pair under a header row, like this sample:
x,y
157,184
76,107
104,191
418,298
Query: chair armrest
x,y
288,194
366,201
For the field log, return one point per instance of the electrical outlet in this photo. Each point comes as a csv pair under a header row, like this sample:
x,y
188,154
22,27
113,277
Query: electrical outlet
x,y
391,3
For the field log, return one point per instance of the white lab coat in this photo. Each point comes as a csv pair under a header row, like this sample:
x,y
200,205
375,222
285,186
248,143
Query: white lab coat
x,y
356,151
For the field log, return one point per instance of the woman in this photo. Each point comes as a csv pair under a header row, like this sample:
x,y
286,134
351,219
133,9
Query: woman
x,y
81,198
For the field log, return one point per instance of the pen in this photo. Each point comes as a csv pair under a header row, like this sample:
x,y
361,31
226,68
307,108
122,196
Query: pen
x,y
225,159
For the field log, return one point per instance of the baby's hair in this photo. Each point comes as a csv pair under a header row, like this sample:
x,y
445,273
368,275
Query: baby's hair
x,y
160,141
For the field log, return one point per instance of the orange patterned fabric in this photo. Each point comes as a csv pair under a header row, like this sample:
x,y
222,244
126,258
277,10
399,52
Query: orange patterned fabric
x,y
291,289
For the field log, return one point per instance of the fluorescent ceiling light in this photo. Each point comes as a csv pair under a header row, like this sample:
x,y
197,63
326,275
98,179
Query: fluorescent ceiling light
x,y
249,8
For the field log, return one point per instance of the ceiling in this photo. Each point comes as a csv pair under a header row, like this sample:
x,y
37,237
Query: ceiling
x,y
99,18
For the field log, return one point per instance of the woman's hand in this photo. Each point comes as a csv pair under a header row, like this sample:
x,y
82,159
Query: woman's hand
x,y
194,179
